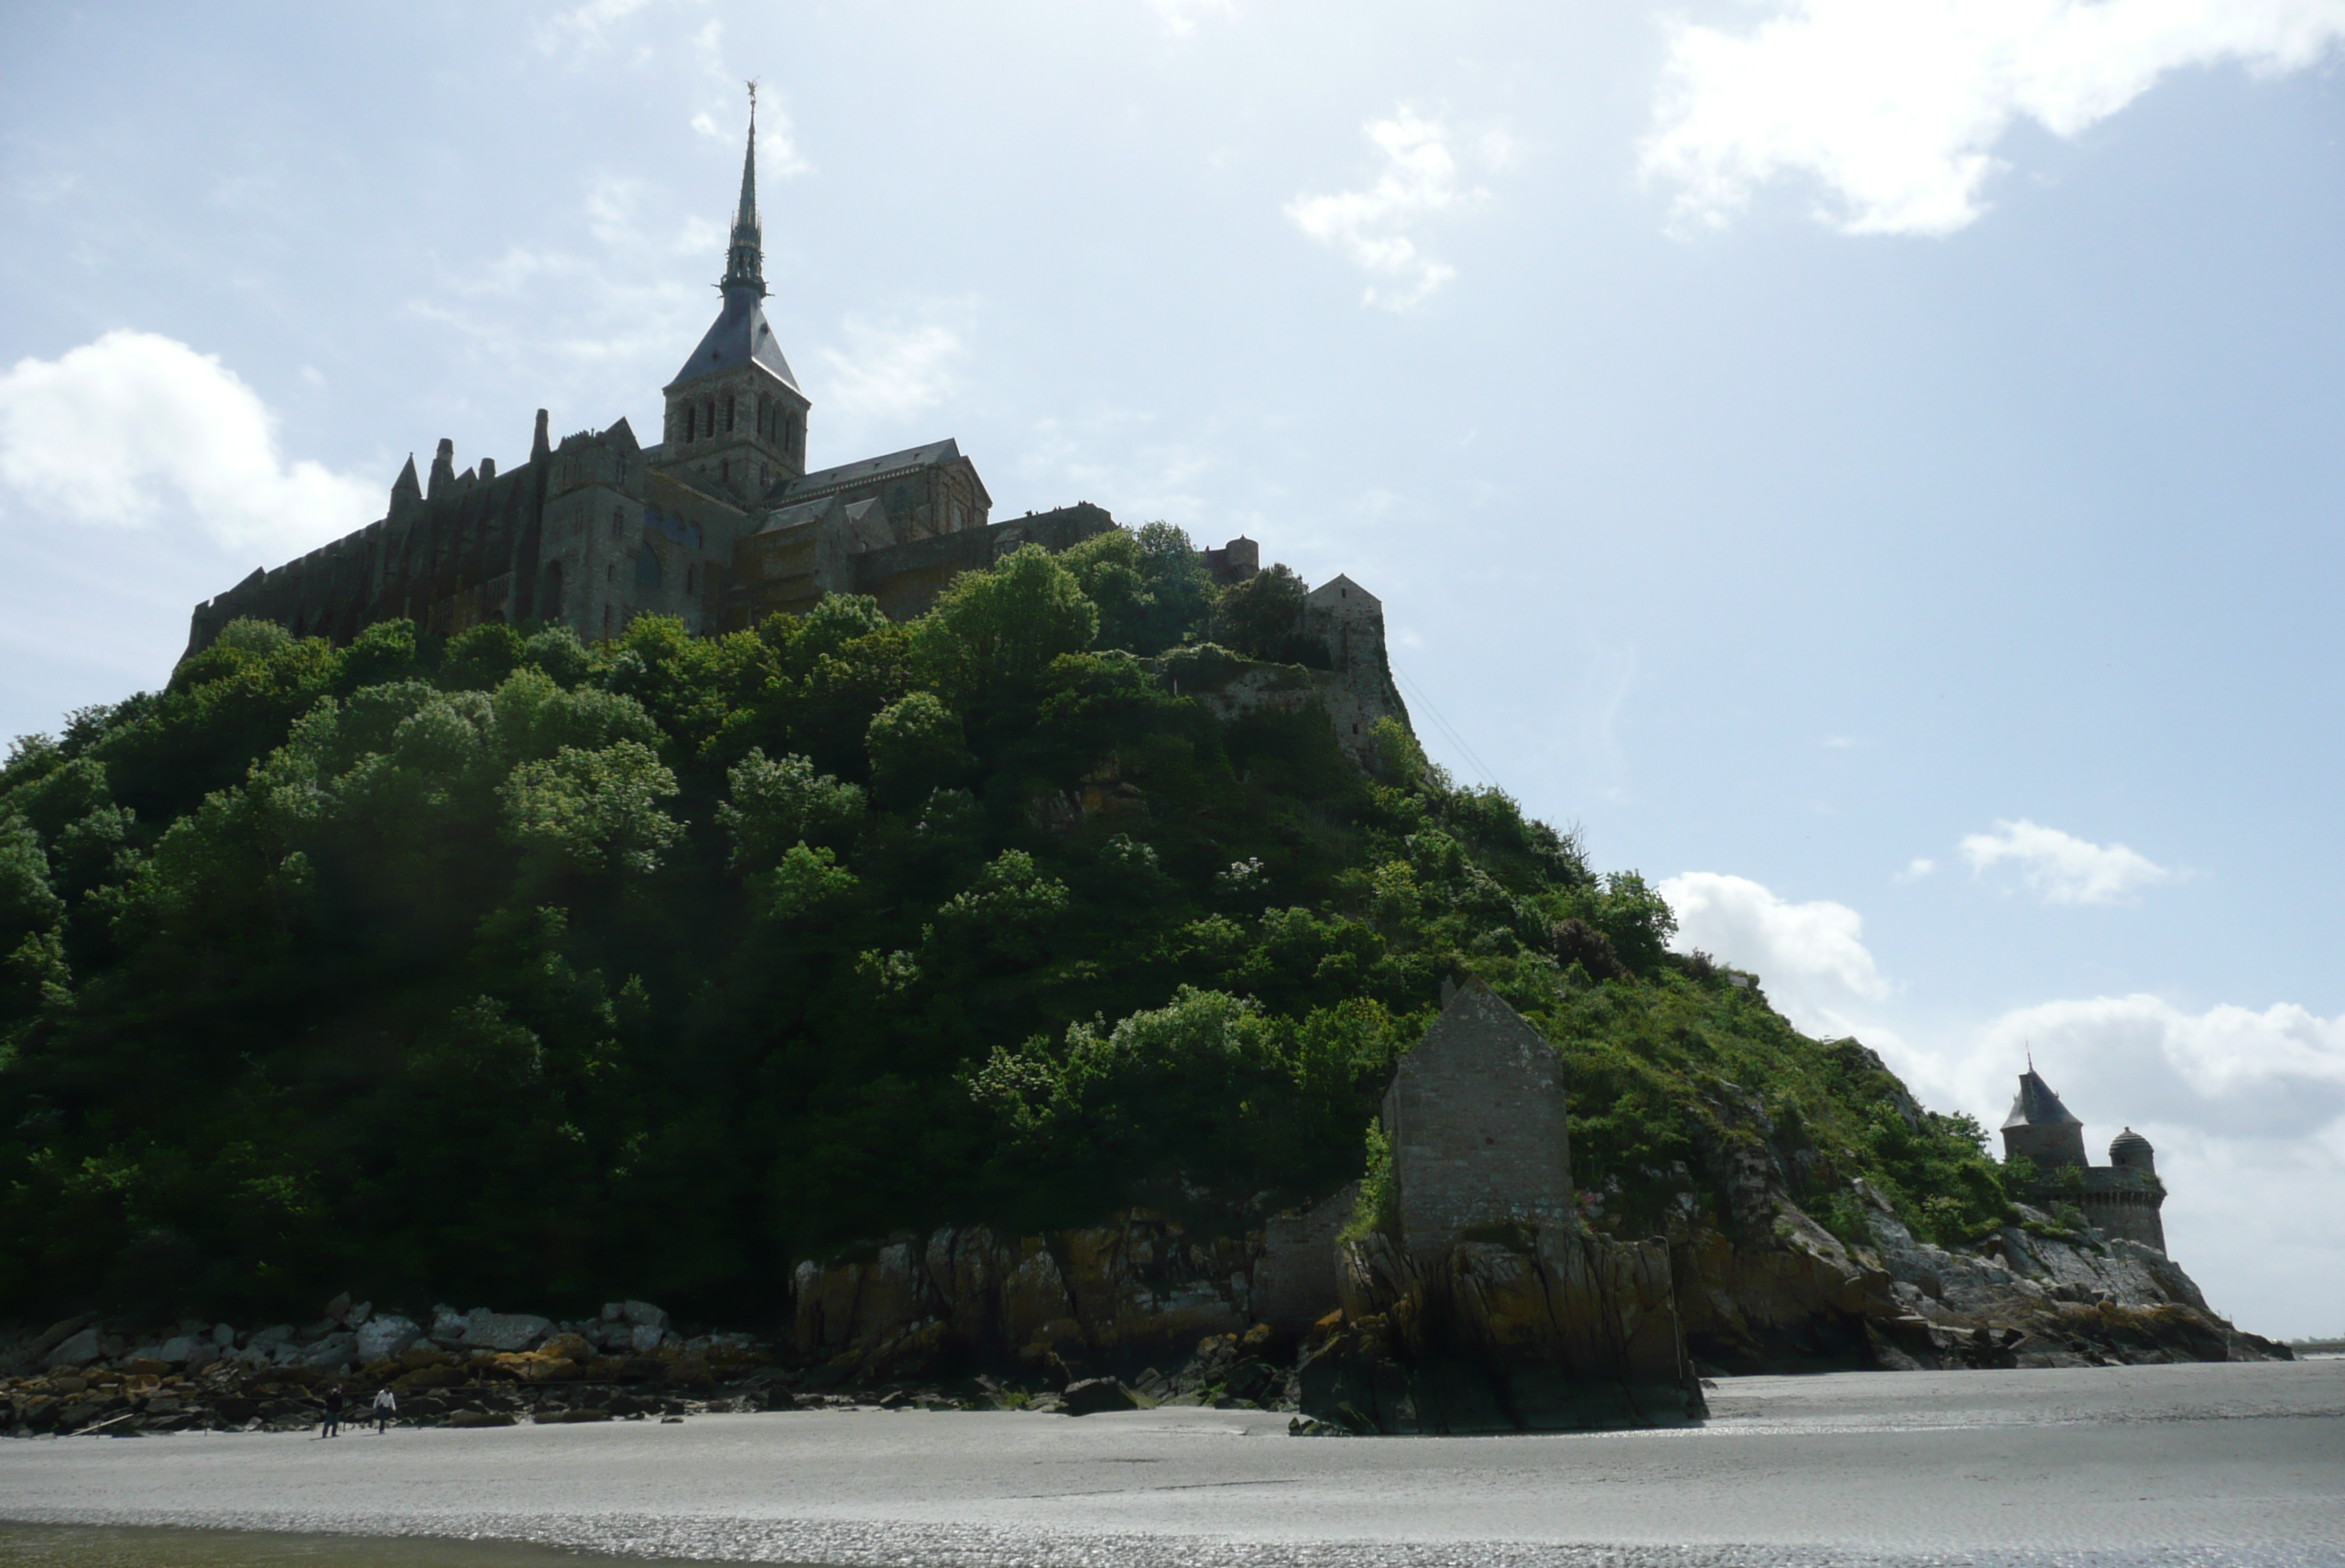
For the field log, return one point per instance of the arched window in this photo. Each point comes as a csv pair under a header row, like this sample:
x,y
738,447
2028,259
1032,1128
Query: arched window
x,y
708,416
618,522
688,579
728,413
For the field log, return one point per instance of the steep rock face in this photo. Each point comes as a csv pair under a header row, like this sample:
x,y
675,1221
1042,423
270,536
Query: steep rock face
x,y
2032,1295
1551,1329
1106,1294
1784,1294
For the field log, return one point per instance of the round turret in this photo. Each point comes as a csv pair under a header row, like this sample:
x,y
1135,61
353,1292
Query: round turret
x,y
2131,1152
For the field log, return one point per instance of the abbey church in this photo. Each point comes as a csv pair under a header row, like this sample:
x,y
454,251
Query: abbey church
x,y
717,523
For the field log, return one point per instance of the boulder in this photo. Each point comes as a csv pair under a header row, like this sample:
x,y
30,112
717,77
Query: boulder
x,y
481,1418
387,1337
1545,1328
571,1418
645,1339
180,1349
484,1330
334,1351
448,1326
641,1315
76,1349
1094,1396
357,1314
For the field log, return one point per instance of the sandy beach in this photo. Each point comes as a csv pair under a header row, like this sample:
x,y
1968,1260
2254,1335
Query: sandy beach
x,y
2190,1463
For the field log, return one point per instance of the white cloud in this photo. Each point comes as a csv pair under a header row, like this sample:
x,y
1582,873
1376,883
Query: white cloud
x,y
1810,957
887,371
1418,182
1896,106
2228,1071
1180,17
1921,866
779,154
136,430
2061,868
587,27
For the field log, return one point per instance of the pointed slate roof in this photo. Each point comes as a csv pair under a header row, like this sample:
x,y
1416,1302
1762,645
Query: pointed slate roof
x,y
2036,1105
741,333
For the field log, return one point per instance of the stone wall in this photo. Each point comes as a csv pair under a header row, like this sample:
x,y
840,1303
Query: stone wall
x,y
1139,1288
1476,1117
1295,1278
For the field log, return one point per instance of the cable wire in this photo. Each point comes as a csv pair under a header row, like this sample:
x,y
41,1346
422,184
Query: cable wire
x,y
1445,727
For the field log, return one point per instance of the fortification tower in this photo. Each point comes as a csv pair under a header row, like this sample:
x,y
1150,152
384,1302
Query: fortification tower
x,y
2042,1129
737,420
2121,1198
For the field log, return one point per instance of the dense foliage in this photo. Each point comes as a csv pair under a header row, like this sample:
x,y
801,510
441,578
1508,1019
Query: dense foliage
x,y
515,969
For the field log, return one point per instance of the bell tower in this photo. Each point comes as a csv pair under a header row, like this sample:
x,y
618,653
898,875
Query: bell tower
x,y
736,421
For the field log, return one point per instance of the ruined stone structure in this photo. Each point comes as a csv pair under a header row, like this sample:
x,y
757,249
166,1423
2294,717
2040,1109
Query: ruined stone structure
x,y
718,523
1489,1306
2121,1198
1477,1129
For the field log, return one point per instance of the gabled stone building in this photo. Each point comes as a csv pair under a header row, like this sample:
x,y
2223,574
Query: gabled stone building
x,y
1476,1115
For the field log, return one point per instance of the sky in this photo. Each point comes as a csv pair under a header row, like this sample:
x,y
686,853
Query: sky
x,y
1871,465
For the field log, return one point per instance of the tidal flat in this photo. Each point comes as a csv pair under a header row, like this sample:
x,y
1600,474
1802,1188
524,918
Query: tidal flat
x,y
2197,1464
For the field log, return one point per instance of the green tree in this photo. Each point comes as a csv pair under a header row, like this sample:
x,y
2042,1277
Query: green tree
x,y
480,659
1001,627
593,807
1262,618
776,804
917,747
1149,584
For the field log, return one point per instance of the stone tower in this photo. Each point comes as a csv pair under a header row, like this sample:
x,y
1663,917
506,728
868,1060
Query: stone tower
x,y
2042,1129
736,421
2121,1198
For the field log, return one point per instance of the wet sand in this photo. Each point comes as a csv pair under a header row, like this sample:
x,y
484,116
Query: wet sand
x,y
2181,1464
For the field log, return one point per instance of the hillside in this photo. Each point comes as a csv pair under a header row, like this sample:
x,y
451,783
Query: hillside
x,y
515,969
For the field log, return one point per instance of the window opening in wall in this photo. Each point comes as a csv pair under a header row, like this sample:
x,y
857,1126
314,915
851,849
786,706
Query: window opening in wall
x,y
611,572
728,413
708,416
688,579
606,620
618,524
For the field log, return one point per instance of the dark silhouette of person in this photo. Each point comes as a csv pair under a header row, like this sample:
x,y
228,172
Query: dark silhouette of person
x,y
334,1412
387,1405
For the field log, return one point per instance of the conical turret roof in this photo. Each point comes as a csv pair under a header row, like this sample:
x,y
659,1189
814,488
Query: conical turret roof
x,y
2036,1105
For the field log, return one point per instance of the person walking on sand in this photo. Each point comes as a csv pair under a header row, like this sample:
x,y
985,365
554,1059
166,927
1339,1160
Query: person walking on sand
x,y
387,1405
334,1412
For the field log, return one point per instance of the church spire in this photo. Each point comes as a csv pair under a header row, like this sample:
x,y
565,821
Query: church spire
x,y
745,261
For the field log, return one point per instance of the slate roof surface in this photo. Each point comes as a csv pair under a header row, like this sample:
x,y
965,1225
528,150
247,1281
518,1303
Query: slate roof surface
x,y
739,335
910,458
2036,1105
